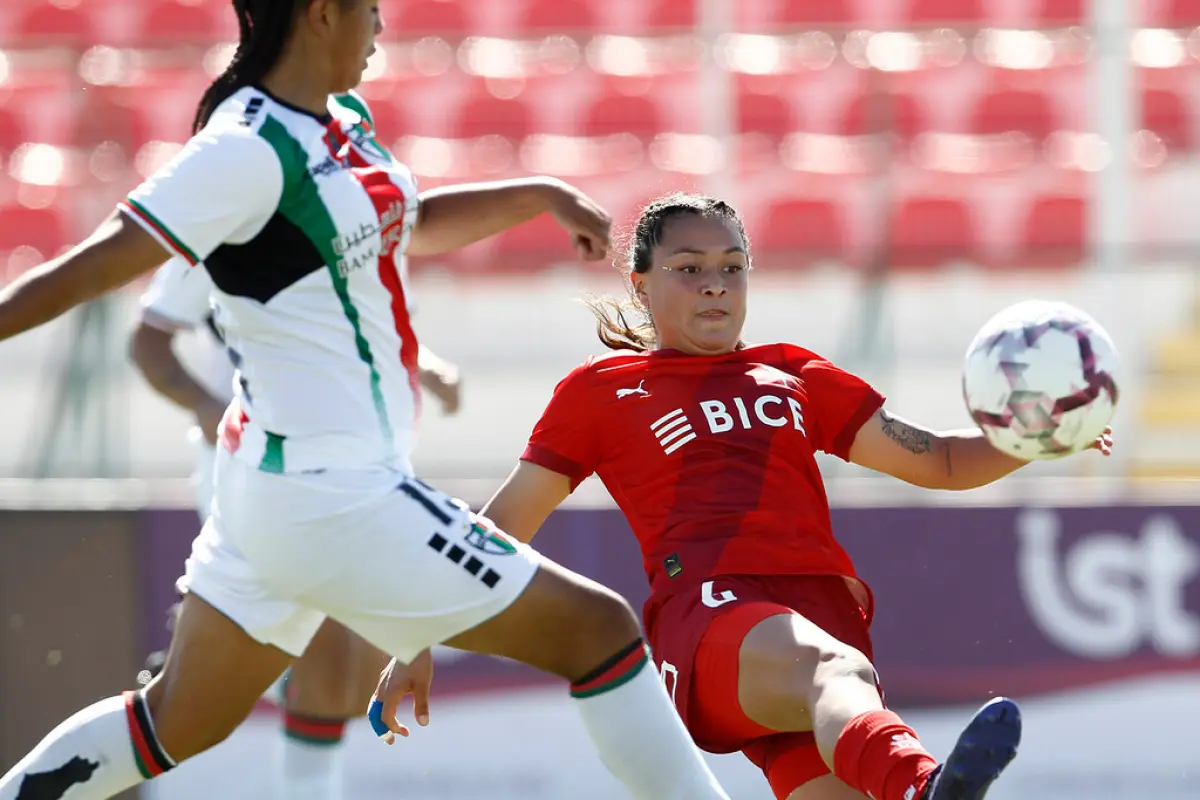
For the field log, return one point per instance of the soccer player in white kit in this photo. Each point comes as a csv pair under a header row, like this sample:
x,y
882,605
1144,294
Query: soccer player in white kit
x,y
330,683
299,217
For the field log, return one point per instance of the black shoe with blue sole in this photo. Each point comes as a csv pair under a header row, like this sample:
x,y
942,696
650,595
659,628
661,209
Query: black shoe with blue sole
x,y
985,747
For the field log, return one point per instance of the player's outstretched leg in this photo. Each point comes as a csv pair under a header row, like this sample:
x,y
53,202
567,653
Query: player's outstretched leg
x,y
794,676
570,626
213,675
327,686
985,747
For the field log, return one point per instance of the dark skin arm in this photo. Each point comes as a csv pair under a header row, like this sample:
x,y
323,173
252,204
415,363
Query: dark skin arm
x,y
119,251
453,217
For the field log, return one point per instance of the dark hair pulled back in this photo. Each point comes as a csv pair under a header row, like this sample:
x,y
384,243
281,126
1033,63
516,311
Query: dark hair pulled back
x,y
625,324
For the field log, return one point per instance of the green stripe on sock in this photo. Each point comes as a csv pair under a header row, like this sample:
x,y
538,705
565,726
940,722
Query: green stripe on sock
x,y
615,683
141,765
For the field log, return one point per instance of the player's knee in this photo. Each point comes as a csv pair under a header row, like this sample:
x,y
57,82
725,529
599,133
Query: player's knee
x,y
843,665
179,737
603,624
322,683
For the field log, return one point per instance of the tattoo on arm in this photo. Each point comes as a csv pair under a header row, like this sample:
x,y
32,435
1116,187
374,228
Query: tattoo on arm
x,y
911,439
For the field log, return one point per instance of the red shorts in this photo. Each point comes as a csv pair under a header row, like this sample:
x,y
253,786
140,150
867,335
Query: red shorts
x,y
696,636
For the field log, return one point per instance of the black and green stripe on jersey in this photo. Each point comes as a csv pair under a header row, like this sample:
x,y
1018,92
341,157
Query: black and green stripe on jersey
x,y
300,237
302,206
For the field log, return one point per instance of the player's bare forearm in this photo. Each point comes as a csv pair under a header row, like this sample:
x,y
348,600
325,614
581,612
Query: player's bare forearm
x,y
115,254
971,461
953,460
152,353
527,497
453,217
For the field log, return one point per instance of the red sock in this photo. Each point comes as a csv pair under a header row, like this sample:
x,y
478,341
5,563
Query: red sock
x,y
879,755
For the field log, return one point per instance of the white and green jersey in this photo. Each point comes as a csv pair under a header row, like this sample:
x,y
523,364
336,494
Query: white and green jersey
x,y
302,222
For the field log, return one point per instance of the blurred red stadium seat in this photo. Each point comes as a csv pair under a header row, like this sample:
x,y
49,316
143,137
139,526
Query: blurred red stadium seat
x,y
926,232
809,15
611,114
12,132
945,13
541,17
532,246
43,229
1005,110
880,112
673,15
46,25
173,22
1177,14
413,19
102,117
1166,114
1059,13
796,231
768,114
484,114
1054,232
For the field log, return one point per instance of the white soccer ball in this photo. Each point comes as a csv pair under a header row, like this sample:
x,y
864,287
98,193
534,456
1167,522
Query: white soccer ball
x,y
1041,380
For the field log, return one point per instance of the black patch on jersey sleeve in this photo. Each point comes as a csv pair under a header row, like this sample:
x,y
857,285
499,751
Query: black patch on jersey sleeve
x,y
278,257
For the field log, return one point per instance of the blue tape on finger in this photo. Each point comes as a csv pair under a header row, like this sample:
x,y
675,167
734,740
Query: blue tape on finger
x,y
375,717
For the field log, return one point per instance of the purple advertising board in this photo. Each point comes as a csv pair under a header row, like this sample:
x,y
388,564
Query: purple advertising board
x,y
969,601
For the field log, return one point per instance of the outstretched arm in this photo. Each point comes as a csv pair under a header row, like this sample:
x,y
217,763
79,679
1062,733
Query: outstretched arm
x,y
453,217
115,254
954,460
522,504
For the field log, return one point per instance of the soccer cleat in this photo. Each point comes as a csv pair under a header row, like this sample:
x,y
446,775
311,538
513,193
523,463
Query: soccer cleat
x,y
983,750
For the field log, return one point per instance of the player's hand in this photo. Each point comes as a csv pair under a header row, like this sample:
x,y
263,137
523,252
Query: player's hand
x,y
396,681
590,225
444,383
1103,443
208,416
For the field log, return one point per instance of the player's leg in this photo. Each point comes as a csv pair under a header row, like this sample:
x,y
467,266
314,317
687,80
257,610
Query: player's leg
x,y
793,767
202,481
827,787
793,675
328,685
430,572
569,626
214,673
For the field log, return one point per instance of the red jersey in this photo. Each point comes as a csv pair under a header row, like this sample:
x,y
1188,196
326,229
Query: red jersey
x,y
711,458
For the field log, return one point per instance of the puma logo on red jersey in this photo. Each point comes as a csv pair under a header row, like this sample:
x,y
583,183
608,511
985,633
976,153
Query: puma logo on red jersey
x,y
637,390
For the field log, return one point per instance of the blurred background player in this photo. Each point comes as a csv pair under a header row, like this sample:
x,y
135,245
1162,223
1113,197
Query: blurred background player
x,y
332,681
303,221
756,616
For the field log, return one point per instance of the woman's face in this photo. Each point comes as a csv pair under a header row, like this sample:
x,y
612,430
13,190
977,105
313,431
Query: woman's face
x,y
355,25
696,286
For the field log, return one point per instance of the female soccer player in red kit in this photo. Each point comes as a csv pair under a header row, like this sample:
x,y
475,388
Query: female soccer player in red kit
x,y
756,617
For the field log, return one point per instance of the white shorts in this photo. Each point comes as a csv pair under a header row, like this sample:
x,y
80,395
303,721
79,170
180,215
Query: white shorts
x,y
396,561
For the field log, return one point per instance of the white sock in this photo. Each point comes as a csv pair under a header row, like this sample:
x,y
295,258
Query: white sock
x,y
311,769
91,756
638,734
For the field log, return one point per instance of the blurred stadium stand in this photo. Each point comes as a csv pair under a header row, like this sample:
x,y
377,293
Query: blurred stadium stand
x,y
915,136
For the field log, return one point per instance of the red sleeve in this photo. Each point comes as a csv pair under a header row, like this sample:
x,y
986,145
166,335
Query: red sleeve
x,y
839,404
564,439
